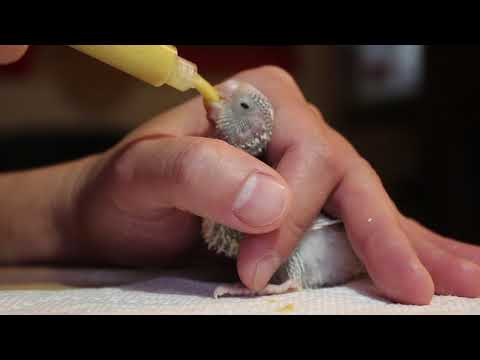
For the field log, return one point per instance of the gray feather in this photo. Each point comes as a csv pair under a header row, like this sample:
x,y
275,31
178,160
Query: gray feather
x,y
324,255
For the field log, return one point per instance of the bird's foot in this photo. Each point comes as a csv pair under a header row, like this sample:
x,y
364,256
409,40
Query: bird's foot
x,y
240,290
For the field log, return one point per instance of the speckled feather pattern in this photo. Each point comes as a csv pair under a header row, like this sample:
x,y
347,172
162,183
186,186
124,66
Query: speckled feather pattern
x,y
221,239
249,128
244,118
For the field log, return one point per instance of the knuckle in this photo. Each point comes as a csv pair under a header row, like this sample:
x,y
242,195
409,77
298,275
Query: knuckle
x,y
313,123
363,179
323,152
278,74
319,153
368,169
316,111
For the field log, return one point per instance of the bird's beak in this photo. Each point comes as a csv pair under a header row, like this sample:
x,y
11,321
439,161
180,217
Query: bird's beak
x,y
213,111
226,91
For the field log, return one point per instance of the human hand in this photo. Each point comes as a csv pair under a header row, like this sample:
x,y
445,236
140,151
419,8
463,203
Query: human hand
x,y
133,205
11,53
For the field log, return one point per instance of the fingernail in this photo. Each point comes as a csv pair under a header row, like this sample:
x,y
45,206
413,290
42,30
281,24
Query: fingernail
x,y
264,271
261,202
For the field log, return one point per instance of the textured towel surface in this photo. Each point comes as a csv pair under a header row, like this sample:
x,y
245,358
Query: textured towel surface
x,y
50,291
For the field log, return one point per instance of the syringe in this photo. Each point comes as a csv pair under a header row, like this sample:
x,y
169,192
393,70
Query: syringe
x,y
156,65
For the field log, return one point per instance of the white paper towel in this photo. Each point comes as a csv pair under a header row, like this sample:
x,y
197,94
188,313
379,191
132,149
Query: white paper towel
x,y
179,293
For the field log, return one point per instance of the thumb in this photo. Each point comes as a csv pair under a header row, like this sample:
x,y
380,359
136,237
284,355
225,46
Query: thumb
x,y
11,53
205,177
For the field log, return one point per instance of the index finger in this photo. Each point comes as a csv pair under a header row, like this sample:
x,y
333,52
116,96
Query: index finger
x,y
300,153
316,164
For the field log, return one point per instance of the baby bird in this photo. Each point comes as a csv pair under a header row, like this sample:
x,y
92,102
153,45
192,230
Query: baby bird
x,y
244,118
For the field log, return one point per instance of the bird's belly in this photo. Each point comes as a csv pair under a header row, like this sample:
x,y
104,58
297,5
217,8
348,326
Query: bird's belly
x,y
324,257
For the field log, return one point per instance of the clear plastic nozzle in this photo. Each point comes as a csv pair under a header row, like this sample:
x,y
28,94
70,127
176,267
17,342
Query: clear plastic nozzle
x,y
183,75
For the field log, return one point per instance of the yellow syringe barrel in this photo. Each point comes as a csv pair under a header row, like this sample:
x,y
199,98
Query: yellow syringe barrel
x,y
156,65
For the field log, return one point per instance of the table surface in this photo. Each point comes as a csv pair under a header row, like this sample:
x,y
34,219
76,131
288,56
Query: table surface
x,y
188,292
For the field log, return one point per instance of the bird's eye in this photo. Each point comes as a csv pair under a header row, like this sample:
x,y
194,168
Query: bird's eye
x,y
244,105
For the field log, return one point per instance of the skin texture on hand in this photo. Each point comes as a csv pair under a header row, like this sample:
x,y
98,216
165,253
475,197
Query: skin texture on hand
x,y
11,53
133,205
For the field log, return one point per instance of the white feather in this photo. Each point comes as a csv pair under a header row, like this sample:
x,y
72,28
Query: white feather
x,y
327,256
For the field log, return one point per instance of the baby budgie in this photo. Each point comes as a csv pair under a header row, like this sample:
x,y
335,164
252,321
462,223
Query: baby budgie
x,y
244,118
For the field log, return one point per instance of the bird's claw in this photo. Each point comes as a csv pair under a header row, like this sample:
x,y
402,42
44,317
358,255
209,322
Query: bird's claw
x,y
240,290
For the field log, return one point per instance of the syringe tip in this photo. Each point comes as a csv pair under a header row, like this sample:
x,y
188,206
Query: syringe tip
x,y
209,93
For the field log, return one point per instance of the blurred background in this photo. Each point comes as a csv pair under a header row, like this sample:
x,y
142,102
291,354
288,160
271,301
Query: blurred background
x,y
410,111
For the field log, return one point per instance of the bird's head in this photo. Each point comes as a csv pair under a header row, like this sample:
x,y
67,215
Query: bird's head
x,y
243,117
